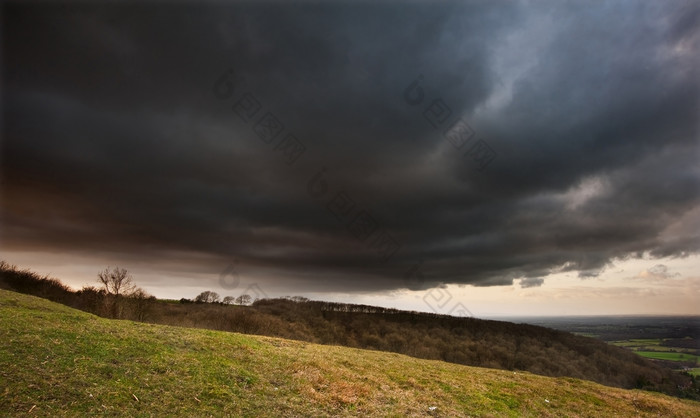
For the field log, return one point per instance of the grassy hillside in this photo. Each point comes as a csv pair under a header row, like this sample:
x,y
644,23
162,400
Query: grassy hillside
x,y
55,360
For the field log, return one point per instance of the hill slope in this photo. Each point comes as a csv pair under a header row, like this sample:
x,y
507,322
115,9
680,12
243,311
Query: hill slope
x,y
55,360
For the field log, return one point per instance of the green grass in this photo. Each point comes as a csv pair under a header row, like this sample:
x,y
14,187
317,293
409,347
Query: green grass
x,y
652,348
669,356
56,361
637,343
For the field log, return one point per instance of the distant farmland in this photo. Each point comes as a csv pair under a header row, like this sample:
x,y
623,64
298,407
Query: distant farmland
x,y
666,355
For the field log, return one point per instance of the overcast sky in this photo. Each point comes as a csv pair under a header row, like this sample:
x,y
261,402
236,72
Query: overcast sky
x,y
360,151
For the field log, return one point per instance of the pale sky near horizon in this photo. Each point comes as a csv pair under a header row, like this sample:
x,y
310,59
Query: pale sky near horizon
x,y
467,157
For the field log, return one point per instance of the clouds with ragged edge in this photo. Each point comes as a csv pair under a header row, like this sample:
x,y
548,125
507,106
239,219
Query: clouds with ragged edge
x,y
114,142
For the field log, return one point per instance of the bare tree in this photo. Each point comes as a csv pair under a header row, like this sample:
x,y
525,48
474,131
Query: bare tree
x,y
244,300
117,282
229,300
207,297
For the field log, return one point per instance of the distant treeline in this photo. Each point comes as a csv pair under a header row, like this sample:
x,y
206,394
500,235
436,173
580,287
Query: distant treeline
x,y
468,341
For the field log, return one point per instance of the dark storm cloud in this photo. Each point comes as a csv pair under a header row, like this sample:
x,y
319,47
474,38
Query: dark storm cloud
x,y
115,141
